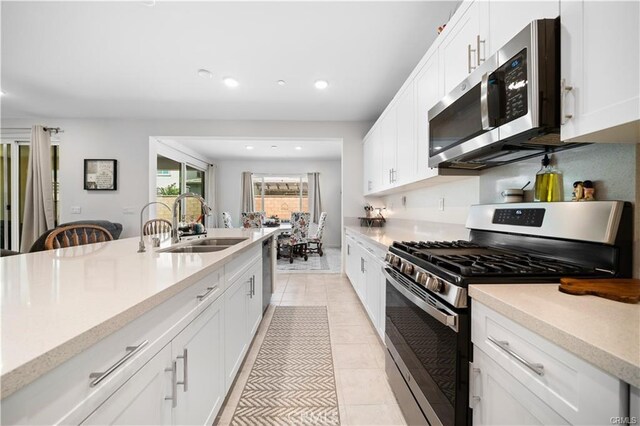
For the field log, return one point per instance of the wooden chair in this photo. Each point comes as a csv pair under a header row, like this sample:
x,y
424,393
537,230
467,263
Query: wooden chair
x,y
156,226
295,244
76,235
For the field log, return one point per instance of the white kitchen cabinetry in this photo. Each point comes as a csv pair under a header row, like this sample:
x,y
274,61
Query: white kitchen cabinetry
x,y
142,399
254,310
508,18
429,91
406,161
600,99
497,398
372,166
519,377
389,142
198,357
364,270
464,45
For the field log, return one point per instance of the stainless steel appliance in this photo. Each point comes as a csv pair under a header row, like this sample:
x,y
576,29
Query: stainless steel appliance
x,y
427,306
267,272
507,110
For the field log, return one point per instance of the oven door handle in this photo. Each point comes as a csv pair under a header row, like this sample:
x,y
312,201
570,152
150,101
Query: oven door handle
x,y
450,320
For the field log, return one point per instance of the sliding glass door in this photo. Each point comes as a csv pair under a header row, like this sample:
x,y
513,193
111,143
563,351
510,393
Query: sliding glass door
x,y
14,160
281,195
174,178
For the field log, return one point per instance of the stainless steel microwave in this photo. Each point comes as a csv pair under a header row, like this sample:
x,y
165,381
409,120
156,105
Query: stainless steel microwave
x,y
507,110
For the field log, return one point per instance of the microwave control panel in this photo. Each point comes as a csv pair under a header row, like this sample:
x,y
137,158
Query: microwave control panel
x,y
514,73
519,217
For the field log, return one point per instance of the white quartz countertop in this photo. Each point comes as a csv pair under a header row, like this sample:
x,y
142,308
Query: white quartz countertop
x,y
424,231
603,332
57,303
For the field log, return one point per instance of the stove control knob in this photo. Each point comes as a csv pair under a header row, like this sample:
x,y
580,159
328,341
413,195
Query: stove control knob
x,y
435,285
388,258
396,261
407,268
422,278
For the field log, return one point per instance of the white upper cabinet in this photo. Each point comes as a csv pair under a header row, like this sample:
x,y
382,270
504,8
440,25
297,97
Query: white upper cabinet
x,y
428,92
508,18
389,141
464,44
372,158
599,72
406,164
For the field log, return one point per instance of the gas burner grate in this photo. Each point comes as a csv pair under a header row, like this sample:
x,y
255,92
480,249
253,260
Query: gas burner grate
x,y
506,264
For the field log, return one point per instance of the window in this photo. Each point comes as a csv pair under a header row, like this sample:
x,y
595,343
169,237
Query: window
x,y
281,195
174,178
13,186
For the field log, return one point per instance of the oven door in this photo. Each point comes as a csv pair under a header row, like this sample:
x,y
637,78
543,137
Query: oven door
x,y
429,345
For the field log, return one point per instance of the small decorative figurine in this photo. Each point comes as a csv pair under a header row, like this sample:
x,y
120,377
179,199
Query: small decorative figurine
x,y
578,191
589,191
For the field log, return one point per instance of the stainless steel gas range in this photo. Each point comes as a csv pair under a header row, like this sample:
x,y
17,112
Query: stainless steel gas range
x,y
427,306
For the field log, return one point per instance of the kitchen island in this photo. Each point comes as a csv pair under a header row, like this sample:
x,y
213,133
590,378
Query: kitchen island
x,y
86,307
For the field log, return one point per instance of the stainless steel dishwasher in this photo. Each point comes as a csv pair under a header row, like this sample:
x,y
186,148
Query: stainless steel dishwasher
x,y
266,272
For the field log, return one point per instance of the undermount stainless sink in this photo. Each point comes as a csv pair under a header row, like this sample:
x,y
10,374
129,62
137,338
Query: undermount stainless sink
x,y
216,242
204,245
194,249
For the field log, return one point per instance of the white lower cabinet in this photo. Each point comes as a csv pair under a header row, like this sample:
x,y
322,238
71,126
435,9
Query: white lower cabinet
x,y
183,384
243,305
364,269
142,399
519,377
198,357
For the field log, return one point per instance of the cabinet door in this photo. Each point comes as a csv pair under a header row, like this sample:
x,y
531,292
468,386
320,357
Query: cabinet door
x,y
498,399
254,310
406,163
389,142
352,261
141,400
367,158
372,291
429,91
600,62
361,287
458,51
508,18
235,330
199,355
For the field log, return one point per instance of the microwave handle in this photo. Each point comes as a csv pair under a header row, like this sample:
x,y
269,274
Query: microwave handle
x,y
484,102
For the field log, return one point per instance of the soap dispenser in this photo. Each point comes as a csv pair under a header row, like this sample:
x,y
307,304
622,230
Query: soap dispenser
x,y
548,183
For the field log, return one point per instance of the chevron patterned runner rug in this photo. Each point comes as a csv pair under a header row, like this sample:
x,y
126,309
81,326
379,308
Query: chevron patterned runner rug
x,y
292,381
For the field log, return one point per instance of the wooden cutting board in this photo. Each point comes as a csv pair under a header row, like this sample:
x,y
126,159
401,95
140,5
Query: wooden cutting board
x,y
620,290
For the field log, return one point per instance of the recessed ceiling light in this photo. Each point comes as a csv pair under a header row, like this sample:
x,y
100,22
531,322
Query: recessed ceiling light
x,y
249,147
149,3
281,83
230,82
274,146
205,73
2,93
321,84
298,148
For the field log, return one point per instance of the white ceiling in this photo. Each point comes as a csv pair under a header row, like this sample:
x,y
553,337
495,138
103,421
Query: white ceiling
x,y
235,149
129,60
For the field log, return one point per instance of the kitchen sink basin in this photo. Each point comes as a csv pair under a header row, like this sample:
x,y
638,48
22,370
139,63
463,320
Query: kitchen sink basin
x,y
195,249
204,245
208,242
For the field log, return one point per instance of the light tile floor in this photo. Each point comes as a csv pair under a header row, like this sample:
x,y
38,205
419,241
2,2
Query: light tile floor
x,y
364,395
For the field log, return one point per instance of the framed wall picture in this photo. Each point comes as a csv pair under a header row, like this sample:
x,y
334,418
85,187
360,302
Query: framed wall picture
x,y
100,175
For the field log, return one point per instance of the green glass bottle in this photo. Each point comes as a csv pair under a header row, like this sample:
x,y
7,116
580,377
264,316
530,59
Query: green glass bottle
x,y
548,185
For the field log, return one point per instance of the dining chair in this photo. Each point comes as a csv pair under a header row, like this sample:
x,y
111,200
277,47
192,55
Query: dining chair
x,y
76,235
226,220
252,219
296,242
316,239
156,226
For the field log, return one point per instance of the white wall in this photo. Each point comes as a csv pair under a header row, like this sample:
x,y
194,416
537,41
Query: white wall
x,y
230,194
128,142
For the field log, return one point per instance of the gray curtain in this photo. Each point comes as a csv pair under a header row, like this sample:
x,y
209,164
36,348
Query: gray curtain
x,y
38,203
315,203
247,192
